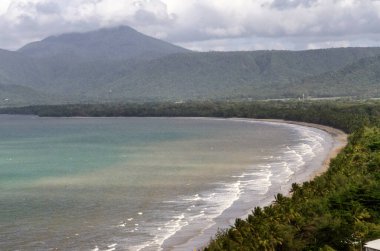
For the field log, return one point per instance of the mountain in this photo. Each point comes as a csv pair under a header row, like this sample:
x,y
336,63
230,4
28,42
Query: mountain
x,y
257,74
120,43
72,64
192,75
17,95
359,79
18,69
121,64
17,72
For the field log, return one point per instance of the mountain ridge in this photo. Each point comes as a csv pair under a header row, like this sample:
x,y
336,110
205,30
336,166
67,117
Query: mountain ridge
x,y
361,78
118,43
257,74
121,65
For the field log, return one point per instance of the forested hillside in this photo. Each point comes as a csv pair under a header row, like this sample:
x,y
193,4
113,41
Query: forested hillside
x,y
360,79
223,75
16,95
119,43
123,65
17,69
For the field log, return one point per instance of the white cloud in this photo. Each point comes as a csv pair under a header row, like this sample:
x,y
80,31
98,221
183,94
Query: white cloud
x,y
246,24
4,6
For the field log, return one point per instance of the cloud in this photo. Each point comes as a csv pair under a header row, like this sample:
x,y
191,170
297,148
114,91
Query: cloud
x,y
224,24
48,8
289,4
277,22
290,18
282,43
27,20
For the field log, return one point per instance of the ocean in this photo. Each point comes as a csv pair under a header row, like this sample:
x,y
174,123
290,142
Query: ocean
x,y
142,183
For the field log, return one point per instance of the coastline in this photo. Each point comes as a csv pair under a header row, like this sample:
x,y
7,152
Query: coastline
x,y
339,141
336,138
339,137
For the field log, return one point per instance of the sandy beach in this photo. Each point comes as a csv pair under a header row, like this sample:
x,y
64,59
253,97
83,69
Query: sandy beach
x,y
339,139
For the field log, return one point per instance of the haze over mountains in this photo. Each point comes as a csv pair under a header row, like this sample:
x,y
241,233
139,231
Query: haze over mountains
x,y
123,65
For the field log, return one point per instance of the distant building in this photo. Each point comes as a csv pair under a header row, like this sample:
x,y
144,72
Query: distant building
x,y
372,245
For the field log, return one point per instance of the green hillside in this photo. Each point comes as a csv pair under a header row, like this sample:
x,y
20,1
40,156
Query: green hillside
x,y
257,75
119,43
18,69
123,65
360,79
17,95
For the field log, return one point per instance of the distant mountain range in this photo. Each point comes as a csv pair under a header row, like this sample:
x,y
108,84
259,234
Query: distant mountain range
x,y
123,65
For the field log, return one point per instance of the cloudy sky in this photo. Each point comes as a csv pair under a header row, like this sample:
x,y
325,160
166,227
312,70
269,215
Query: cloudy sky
x,y
201,24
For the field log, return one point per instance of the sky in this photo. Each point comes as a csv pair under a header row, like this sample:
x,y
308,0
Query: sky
x,y
204,25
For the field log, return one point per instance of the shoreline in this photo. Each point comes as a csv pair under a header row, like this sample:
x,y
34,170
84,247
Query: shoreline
x,y
339,141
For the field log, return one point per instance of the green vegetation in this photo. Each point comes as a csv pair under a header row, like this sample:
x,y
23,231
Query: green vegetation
x,y
122,65
339,210
235,75
346,115
17,95
360,79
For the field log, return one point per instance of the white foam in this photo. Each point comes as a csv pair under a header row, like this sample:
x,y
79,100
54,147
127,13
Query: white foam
x,y
257,180
309,146
207,207
194,197
163,233
111,247
203,208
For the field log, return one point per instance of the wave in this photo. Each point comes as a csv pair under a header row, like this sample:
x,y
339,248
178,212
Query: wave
x,y
199,210
256,184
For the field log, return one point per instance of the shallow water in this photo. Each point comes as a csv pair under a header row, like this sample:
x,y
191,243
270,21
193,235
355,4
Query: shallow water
x,y
141,183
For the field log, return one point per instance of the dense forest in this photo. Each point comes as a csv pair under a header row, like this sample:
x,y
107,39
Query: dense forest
x,y
339,210
345,115
120,64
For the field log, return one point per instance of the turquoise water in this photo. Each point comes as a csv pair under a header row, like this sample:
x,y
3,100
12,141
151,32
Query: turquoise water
x,y
140,183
